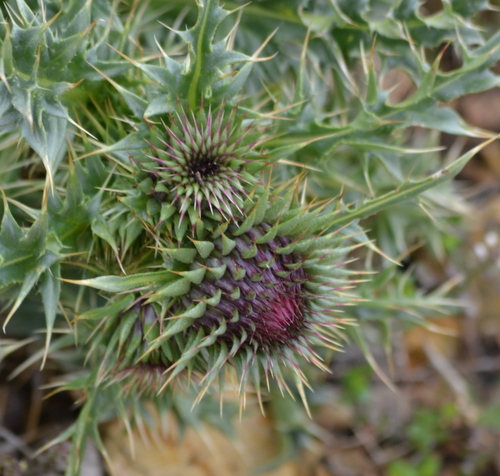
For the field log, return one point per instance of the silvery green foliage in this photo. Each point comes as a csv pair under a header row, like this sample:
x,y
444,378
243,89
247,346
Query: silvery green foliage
x,y
154,179
45,53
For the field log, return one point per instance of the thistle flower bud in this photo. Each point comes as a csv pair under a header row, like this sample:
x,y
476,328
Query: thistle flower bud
x,y
257,299
200,167
255,296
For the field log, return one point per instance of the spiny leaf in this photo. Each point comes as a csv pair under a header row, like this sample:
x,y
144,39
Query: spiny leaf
x,y
24,256
408,190
200,38
125,283
50,289
108,311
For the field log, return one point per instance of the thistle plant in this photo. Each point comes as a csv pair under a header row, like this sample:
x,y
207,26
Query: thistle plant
x,y
184,224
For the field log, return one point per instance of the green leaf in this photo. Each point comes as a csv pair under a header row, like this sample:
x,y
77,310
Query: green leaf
x,y
468,8
25,256
101,229
19,251
175,326
68,219
108,311
30,278
125,283
406,191
200,39
46,134
8,346
429,115
168,76
50,289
